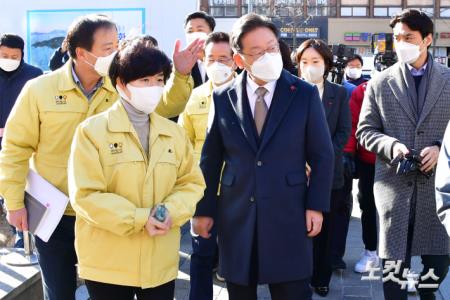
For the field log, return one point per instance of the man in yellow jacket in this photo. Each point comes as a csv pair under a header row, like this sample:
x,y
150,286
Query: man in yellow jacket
x,y
220,70
43,122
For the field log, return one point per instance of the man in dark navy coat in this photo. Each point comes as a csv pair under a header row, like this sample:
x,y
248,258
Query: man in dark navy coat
x,y
263,130
14,73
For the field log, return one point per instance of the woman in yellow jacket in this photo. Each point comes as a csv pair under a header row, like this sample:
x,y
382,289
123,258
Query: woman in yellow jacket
x,y
133,182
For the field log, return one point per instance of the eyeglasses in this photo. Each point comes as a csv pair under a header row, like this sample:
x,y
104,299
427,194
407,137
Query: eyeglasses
x,y
257,54
223,61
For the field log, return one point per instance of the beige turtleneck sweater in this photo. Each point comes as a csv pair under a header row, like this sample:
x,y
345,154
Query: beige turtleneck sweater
x,y
141,123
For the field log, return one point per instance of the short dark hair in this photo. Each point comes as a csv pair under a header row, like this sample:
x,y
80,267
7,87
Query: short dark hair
x,y
416,20
137,59
246,24
285,52
81,32
218,37
322,48
201,15
12,41
355,56
150,39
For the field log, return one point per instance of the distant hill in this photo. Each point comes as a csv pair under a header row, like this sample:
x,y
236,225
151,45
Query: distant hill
x,y
53,43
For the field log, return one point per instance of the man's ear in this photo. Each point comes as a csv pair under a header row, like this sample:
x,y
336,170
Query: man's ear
x,y
429,40
238,60
119,83
81,53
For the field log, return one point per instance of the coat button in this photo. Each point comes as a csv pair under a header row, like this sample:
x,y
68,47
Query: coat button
x,y
259,163
252,199
410,183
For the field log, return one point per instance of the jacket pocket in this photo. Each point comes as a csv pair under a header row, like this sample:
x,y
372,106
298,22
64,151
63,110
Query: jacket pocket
x,y
168,158
115,159
296,178
227,179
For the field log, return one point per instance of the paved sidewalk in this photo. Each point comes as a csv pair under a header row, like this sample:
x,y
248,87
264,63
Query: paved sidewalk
x,y
345,285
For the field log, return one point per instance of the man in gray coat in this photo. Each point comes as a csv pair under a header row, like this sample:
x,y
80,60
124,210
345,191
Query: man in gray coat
x,y
407,107
443,182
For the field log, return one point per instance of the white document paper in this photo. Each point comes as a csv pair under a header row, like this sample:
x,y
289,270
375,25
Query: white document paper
x,y
55,201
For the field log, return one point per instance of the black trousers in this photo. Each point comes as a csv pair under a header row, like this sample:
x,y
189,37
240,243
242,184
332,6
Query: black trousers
x,y
57,259
322,244
105,291
340,212
439,263
294,290
203,257
366,201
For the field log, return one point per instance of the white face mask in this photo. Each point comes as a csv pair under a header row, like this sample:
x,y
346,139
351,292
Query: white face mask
x,y
313,74
354,73
144,99
190,37
103,63
9,65
407,52
219,73
268,67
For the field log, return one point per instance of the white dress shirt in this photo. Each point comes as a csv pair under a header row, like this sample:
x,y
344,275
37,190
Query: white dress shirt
x,y
251,93
320,87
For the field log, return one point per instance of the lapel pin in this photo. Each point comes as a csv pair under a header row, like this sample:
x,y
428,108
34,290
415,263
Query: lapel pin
x,y
293,88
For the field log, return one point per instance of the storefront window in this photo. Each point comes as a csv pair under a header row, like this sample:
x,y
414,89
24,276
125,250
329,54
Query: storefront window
x,y
428,10
326,11
257,6
445,9
322,8
386,8
423,5
387,2
354,11
354,8
223,8
445,12
386,11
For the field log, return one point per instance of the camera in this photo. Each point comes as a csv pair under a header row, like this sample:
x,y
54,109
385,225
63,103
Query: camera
x,y
409,163
341,54
383,49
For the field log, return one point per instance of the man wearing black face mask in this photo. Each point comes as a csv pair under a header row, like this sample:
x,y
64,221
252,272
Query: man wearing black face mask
x,y
14,73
